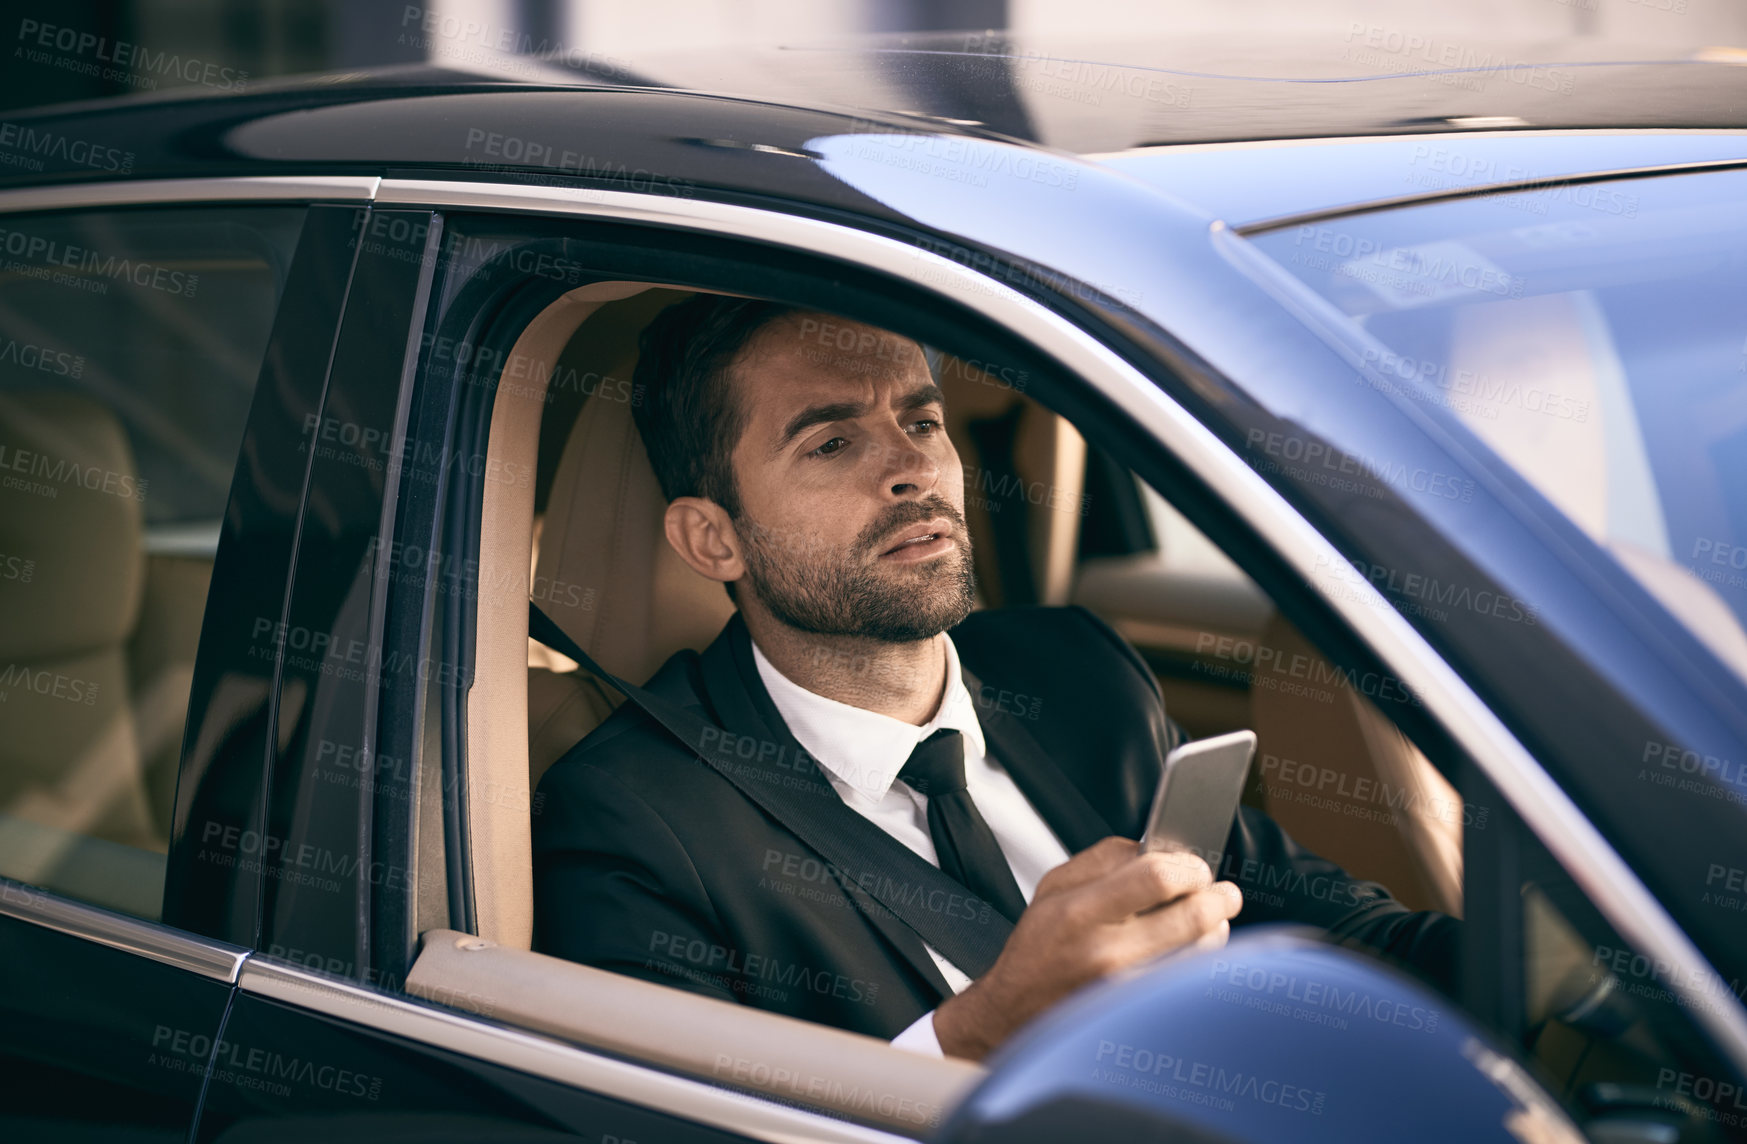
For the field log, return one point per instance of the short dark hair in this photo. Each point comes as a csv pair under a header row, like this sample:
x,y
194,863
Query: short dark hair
x,y
689,415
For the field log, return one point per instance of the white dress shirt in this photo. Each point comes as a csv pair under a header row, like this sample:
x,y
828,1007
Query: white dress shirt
x,y
862,752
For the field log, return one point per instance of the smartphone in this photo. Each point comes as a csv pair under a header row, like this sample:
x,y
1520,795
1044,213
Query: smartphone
x,y
1198,795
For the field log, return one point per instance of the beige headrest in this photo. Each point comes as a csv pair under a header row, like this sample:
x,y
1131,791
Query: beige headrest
x,y
605,572
71,573
1049,458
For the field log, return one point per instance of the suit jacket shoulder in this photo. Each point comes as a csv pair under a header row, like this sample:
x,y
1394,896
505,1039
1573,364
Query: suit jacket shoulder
x,y
1037,636
1083,693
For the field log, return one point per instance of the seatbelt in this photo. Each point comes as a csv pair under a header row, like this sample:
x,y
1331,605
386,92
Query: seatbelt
x,y
970,934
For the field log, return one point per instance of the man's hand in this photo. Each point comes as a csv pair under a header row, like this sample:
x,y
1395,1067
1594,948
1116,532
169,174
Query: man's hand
x,y
1104,909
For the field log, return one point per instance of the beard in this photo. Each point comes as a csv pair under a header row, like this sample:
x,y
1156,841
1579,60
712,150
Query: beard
x,y
826,592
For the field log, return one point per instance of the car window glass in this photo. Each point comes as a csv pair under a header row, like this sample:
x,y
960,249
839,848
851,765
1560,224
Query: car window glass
x,y
1592,337
129,347
1331,767
1612,1029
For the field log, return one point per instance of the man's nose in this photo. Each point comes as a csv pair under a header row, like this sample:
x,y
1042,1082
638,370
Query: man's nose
x,y
909,469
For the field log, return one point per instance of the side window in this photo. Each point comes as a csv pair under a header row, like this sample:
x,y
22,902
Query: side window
x,y
1332,767
130,342
1611,1029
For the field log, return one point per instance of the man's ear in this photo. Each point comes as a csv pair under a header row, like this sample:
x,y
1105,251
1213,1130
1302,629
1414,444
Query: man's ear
x,y
701,532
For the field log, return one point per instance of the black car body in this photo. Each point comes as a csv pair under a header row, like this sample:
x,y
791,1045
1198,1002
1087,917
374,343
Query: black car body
x,y
385,247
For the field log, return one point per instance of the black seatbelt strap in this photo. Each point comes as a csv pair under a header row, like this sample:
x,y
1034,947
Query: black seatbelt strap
x,y
967,931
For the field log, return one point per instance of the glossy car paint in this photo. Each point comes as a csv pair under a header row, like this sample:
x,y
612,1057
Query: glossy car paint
x,y
284,1075
97,1040
329,770
1196,1053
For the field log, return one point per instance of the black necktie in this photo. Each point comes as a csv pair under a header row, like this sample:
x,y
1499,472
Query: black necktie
x,y
965,844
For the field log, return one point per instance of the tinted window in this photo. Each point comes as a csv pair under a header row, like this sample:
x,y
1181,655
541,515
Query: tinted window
x,y
1613,1028
129,347
1594,337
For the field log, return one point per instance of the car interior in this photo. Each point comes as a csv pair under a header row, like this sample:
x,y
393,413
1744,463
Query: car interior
x,y
1595,466
110,618
589,532
104,634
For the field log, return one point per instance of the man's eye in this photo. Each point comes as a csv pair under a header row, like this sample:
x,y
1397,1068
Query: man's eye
x,y
927,425
836,444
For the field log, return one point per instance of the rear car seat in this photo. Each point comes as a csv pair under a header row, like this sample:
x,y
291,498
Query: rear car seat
x,y
71,767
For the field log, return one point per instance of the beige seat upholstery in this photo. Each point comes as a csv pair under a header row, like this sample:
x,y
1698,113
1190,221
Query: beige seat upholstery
x,y
1044,486
605,572
70,761
499,827
1345,783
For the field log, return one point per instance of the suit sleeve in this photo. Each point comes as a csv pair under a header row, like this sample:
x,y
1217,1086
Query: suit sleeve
x,y
1173,733
615,889
1283,882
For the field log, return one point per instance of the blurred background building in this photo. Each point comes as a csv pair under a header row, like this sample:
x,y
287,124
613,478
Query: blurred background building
x,y
68,50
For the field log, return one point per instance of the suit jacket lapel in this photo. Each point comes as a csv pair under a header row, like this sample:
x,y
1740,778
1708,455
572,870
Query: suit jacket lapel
x,y
743,707
1038,777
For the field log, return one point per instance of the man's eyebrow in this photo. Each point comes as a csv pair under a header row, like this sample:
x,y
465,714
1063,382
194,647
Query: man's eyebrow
x,y
925,394
818,415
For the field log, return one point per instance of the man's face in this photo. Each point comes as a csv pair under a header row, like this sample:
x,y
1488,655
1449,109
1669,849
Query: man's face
x,y
852,497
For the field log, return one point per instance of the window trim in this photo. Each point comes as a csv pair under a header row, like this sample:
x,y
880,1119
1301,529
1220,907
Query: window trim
x,y
1478,190
215,959
166,192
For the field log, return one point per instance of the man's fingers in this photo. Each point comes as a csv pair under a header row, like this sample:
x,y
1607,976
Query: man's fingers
x,y
1090,864
1149,880
1189,919
1214,938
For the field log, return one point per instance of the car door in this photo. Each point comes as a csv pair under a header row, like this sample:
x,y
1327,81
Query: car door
x,y
141,334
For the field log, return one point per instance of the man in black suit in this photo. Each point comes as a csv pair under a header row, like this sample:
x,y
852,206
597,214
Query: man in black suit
x,y
857,701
